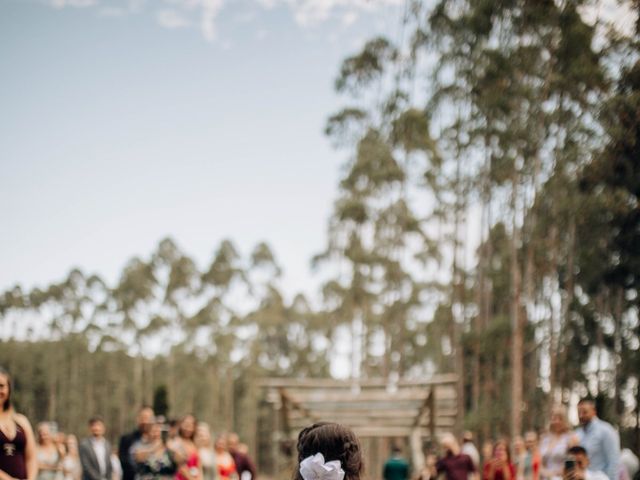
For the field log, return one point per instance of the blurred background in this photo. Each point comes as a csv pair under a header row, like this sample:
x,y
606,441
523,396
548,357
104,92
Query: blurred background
x,y
199,195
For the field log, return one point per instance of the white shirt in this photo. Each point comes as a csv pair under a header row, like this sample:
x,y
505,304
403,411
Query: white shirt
x,y
595,475
100,449
468,448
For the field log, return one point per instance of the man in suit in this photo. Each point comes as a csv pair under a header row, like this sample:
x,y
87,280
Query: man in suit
x,y
144,419
95,453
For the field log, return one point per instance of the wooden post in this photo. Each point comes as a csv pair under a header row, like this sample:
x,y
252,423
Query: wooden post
x,y
432,414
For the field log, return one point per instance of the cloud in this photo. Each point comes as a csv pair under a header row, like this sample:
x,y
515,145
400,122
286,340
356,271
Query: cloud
x,y
171,19
312,12
73,3
210,11
205,14
112,11
349,18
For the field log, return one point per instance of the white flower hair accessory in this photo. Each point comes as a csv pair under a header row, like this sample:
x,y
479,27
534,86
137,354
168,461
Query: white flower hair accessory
x,y
314,468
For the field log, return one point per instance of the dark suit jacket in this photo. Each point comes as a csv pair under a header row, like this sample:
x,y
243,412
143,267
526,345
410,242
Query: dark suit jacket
x,y
128,467
89,461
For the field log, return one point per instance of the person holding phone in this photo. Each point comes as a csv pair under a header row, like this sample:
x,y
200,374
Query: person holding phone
x,y
152,457
576,466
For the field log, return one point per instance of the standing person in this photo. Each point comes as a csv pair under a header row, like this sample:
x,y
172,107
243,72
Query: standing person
x,y
244,466
71,468
554,444
154,461
487,452
144,418
528,458
469,448
48,453
116,467
17,442
206,452
396,467
429,467
329,451
224,461
95,453
186,452
454,464
599,438
500,466
577,468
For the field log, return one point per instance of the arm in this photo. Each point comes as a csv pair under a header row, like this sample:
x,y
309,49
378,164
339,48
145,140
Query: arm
x,y
252,468
124,450
30,448
508,472
489,471
611,449
6,476
191,473
473,472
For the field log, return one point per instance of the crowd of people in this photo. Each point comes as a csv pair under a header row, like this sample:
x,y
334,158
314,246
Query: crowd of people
x,y
185,449
156,449
589,452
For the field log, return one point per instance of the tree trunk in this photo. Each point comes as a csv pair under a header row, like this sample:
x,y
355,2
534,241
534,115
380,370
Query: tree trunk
x,y
567,301
516,323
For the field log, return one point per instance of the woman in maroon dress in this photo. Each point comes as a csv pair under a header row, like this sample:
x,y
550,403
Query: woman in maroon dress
x,y
17,443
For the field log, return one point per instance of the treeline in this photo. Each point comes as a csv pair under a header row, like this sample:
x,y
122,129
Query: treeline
x,y
202,337
487,224
521,121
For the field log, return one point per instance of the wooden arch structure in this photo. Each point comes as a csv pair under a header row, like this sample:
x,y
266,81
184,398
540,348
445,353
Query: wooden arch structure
x,y
408,413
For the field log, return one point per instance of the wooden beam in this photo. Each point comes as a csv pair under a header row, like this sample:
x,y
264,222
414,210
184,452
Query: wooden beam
x,y
325,383
363,406
296,405
323,396
406,422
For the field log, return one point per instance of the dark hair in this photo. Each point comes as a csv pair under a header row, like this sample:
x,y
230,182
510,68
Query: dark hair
x,y
588,400
577,450
334,442
7,402
96,419
195,425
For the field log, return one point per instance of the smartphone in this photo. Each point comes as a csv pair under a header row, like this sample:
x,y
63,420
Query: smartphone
x,y
569,465
164,435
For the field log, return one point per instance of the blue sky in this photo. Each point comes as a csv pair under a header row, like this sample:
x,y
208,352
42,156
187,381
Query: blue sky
x,y
124,121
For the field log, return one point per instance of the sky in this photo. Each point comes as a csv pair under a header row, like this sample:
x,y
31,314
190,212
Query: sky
x,y
126,121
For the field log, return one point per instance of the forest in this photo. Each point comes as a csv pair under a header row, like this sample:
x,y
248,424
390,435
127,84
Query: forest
x,y
487,224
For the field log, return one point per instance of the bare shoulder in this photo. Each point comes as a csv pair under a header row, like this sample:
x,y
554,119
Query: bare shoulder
x,y
22,421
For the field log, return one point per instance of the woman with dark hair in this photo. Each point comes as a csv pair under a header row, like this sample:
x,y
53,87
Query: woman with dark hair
x,y
328,451
500,466
154,461
17,443
186,452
